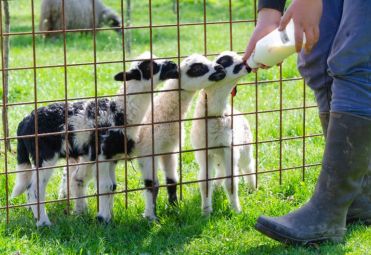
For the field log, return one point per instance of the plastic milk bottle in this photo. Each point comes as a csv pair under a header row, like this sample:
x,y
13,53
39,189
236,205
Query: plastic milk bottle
x,y
274,47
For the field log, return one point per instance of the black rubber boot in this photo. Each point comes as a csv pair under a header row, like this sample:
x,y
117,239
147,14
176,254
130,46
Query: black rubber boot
x,y
360,209
324,117
345,162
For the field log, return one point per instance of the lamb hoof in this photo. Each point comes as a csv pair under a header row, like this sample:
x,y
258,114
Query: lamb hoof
x,y
206,211
250,186
44,223
80,210
237,210
62,195
218,183
173,201
102,220
150,217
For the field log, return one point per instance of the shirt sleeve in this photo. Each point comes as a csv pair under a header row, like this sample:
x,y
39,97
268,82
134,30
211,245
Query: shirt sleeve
x,y
278,5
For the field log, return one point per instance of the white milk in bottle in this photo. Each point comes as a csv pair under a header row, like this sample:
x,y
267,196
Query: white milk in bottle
x,y
274,47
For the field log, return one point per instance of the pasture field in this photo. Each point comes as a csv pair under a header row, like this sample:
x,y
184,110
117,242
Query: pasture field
x,y
180,230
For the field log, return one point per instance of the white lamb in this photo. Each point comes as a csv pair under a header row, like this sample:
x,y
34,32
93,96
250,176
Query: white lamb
x,y
220,134
196,72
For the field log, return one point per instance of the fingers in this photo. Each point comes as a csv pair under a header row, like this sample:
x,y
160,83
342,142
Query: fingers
x,y
311,37
298,32
316,34
306,16
261,66
298,29
310,40
285,20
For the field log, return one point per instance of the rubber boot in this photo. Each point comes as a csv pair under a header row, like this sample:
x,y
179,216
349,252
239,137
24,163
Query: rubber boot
x,y
324,117
345,162
360,209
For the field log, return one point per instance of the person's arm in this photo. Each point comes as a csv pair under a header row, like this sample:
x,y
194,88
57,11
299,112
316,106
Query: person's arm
x,y
269,16
268,20
305,14
278,5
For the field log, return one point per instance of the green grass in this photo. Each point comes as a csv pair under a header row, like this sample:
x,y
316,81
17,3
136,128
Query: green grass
x,y
179,230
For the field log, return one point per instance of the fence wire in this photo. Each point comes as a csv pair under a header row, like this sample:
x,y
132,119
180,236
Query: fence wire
x,y
8,158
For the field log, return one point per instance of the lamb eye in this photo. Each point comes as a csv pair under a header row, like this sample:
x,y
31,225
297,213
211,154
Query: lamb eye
x,y
154,67
225,64
145,67
197,70
148,67
225,61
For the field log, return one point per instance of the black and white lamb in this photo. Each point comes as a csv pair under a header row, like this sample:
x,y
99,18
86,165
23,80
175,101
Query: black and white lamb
x,y
78,15
112,143
196,72
220,133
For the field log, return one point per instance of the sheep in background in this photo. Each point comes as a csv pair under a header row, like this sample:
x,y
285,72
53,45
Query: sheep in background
x,y
112,142
220,134
78,15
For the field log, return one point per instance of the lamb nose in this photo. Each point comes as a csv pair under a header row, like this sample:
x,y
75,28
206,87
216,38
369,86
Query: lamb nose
x,y
218,68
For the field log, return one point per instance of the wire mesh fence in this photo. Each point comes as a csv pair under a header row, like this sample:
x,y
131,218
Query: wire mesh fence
x,y
78,64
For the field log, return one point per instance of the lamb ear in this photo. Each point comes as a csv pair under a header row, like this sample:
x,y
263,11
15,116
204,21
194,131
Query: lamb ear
x,y
119,76
130,75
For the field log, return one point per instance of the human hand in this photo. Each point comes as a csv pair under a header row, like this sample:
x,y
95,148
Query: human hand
x,y
268,20
306,16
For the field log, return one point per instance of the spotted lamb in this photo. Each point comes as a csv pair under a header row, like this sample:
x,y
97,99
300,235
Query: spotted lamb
x,y
196,72
220,133
112,143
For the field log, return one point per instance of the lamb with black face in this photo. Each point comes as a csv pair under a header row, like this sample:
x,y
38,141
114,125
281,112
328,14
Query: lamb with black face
x,y
221,162
196,73
234,67
226,61
149,68
200,69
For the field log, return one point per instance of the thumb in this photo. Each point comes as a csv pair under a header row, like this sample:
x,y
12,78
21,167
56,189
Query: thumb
x,y
249,49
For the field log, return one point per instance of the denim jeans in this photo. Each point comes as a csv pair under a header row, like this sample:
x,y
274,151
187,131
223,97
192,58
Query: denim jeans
x,y
339,67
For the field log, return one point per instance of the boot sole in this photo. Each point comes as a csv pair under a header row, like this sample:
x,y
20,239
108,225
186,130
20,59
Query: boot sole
x,y
293,241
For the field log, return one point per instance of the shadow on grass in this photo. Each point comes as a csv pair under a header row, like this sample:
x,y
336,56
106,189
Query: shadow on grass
x,y
285,249
179,229
127,233
274,247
